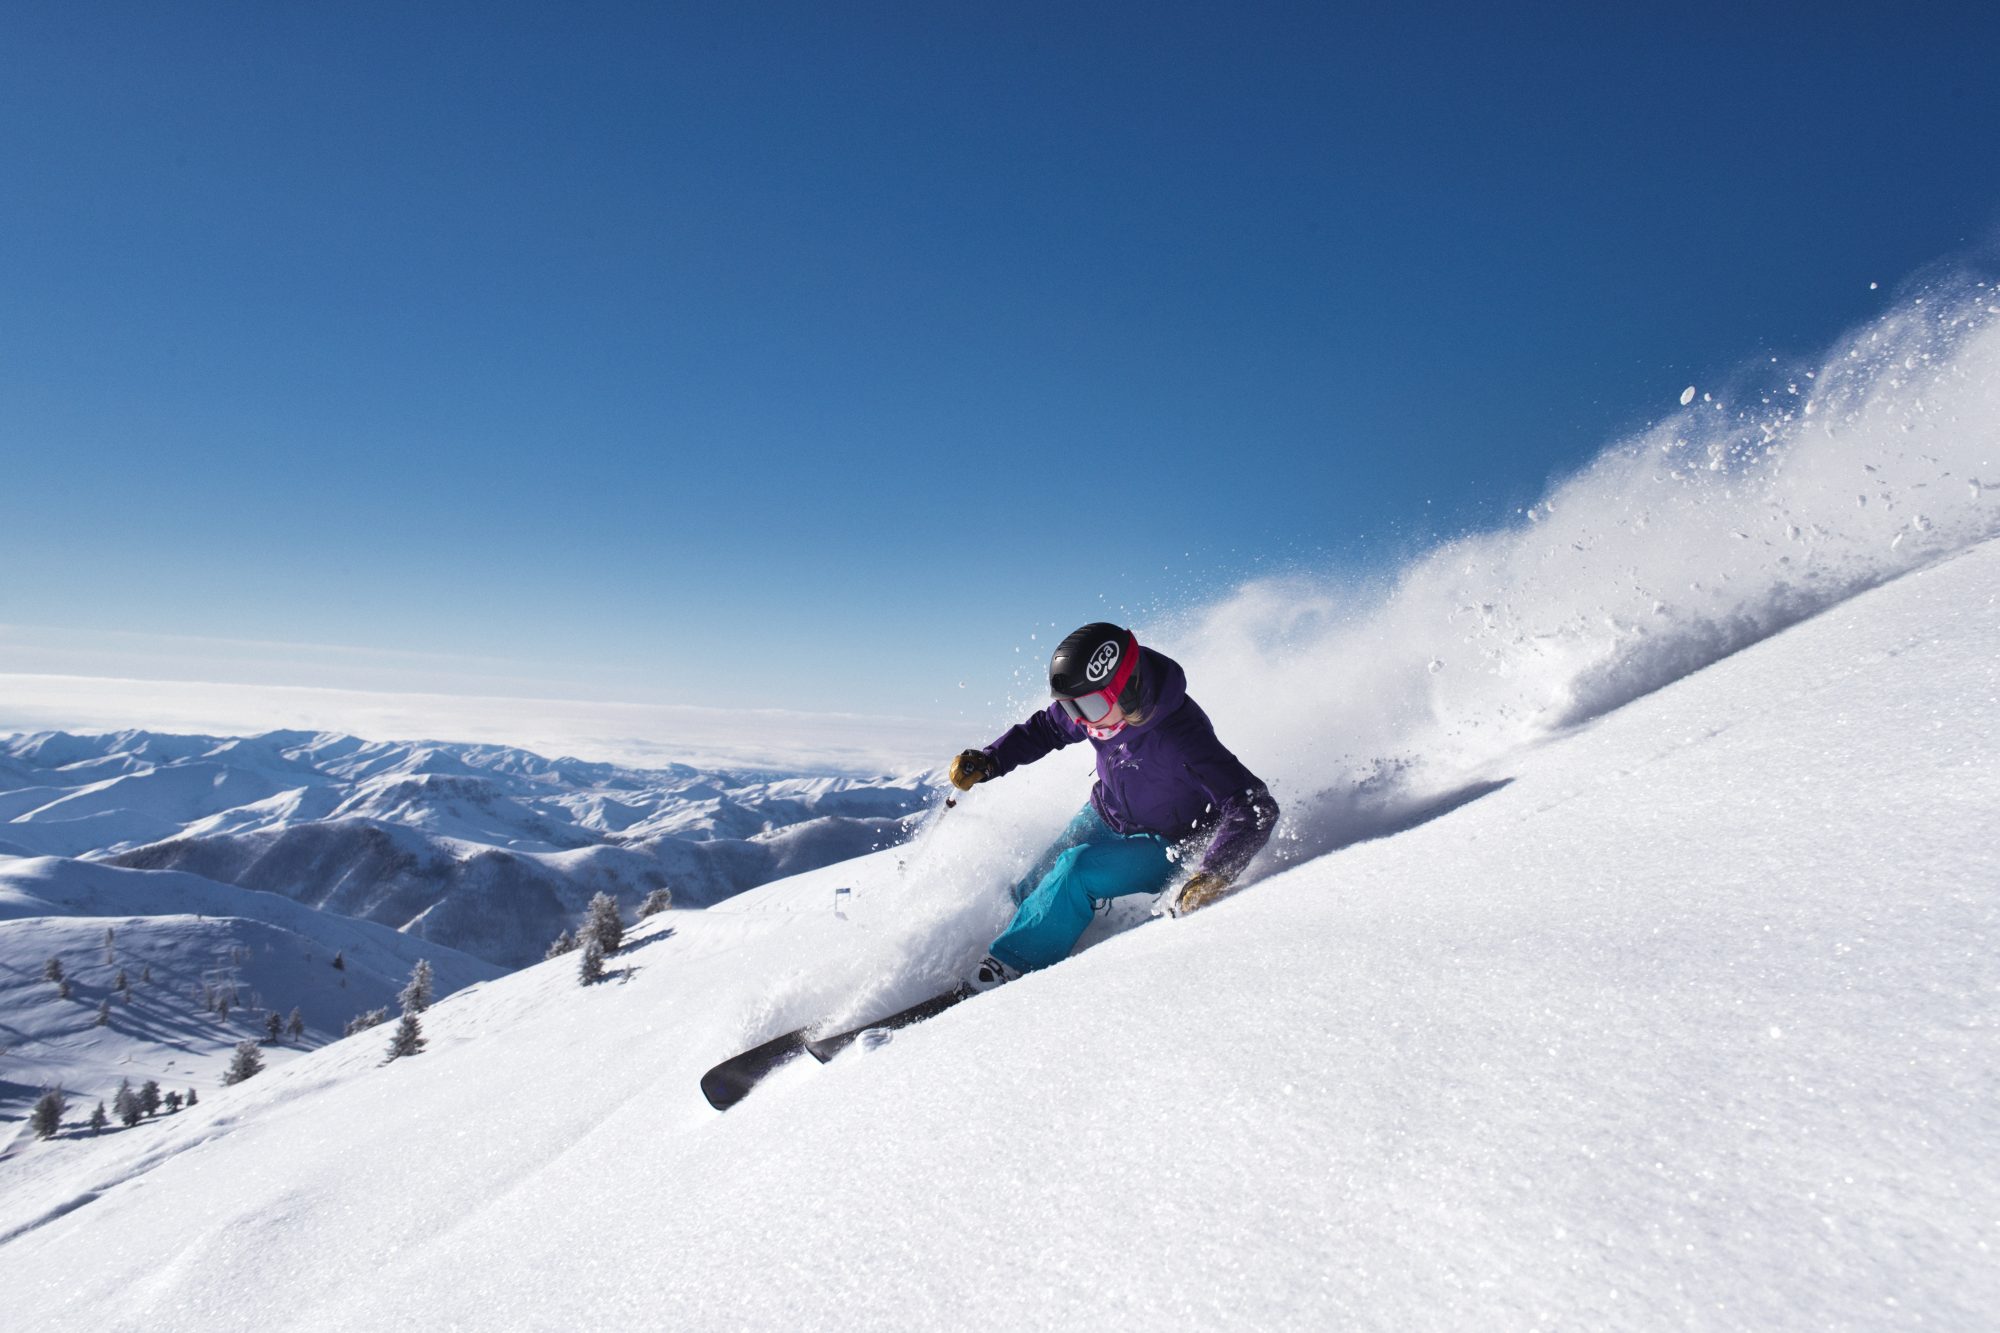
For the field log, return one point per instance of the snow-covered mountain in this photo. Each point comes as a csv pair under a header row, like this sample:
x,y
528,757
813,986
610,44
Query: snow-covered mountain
x,y
484,849
244,865
1685,1018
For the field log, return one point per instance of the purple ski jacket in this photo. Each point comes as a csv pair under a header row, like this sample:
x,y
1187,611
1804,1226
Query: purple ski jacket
x,y
1167,775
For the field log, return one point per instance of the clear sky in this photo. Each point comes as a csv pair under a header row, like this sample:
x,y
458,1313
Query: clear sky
x,y
815,355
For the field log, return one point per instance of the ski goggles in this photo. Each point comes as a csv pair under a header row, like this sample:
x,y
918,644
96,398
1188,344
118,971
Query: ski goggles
x,y
1091,708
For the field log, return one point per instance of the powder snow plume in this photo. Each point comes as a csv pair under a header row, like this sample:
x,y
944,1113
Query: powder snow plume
x,y
1371,708
1752,508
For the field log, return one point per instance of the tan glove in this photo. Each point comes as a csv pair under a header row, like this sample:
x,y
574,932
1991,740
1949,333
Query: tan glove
x,y
970,768
1202,888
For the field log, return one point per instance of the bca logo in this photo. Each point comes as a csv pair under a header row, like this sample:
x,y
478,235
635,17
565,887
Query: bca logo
x,y
1101,662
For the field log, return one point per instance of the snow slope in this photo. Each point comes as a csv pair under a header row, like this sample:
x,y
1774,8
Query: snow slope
x,y
179,940
1683,1017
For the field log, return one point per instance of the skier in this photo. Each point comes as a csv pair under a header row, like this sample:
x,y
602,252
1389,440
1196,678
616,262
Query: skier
x,y
1162,779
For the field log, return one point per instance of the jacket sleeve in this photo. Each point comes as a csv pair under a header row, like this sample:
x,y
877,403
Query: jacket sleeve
x,y
1247,811
1247,819
1030,740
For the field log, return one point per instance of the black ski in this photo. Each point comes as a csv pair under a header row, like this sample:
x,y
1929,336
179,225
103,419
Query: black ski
x,y
731,1081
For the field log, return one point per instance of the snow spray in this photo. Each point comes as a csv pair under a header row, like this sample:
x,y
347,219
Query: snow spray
x,y
1749,507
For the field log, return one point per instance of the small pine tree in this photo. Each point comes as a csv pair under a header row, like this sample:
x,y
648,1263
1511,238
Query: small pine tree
x,y
416,996
248,1063
222,1007
362,1022
601,922
297,1027
48,1113
192,1099
52,970
560,945
274,1027
409,1038
340,960
149,1097
122,983
104,1011
98,1120
658,901
173,1102
125,1105
146,974
590,968
62,988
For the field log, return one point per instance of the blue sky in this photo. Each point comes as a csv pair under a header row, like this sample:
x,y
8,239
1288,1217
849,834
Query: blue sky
x,y
816,355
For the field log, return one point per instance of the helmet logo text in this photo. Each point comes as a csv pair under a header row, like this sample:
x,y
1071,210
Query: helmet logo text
x,y
1101,662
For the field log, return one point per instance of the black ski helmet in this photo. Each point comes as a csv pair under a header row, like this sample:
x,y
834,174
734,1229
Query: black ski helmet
x,y
1090,660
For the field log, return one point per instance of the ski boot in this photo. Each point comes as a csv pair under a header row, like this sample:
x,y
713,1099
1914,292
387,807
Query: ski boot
x,y
991,972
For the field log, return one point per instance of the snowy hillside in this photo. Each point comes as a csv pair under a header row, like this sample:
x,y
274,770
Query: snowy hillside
x,y
182,946
488,850
1686,1018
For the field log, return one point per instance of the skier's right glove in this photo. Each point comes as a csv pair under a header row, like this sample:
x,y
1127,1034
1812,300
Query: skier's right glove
x,y
970,768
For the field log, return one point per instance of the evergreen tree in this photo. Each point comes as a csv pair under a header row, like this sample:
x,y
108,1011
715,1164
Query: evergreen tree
x,y
560,945
222,1007
123,984
591,967
192,1099
125,1105
149,1097
62,988
48,1113
146,973
98,1120
601,922
416,996
52,970
362,1022
658,901
274,1027
104,1011
173,1102
297,1027
409,1038
248,1063
340,960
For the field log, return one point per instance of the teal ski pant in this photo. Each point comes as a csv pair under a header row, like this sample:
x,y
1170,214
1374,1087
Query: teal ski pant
x,y
1089,863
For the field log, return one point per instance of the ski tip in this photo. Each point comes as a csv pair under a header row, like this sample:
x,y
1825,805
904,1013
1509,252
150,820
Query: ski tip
x,y
734,1079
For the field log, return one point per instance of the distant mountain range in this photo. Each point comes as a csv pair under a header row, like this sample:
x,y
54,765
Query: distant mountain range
x,y
484,849
191,887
